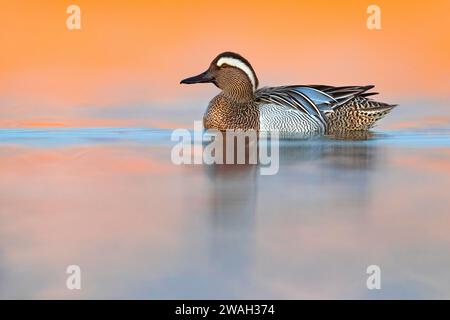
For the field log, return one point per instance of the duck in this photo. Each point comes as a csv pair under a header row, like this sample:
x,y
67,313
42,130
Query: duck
x,y
307,109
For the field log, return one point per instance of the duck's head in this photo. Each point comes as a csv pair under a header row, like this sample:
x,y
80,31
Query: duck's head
x,y
230,72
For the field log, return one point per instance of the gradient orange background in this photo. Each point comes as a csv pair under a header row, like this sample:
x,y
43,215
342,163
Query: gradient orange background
x,y
131,55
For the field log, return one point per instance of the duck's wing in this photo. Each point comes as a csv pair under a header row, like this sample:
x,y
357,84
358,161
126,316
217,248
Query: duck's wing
x,y
342,95
315,100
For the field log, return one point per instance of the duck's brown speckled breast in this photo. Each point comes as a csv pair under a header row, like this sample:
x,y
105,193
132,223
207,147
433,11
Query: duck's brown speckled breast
x,y
223,114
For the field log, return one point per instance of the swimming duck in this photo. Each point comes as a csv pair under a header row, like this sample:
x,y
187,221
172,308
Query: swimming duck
x,y
295,108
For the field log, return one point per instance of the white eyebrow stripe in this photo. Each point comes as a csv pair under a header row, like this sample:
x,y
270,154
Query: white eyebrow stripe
x,y
240,65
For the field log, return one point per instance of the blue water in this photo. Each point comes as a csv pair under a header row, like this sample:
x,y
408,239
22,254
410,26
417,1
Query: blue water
x,y
427,137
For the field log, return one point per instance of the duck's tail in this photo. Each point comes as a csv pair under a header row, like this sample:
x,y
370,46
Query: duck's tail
x,y
359,113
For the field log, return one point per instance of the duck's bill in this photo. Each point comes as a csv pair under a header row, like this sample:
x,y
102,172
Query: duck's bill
x,y
201,78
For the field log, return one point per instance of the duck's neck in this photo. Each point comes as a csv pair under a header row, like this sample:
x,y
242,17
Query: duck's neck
x,y
239,92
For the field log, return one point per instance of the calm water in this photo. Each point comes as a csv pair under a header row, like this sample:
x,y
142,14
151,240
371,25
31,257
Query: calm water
x,y
112,202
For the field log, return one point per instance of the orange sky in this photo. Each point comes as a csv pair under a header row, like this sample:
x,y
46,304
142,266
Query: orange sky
x,y
135,52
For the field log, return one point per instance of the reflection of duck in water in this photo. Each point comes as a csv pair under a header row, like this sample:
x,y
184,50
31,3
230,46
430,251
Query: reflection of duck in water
x,y
297,108
317,178
232,197
233,186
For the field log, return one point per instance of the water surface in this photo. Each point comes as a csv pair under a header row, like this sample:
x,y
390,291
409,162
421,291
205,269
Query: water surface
x,y
112,202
